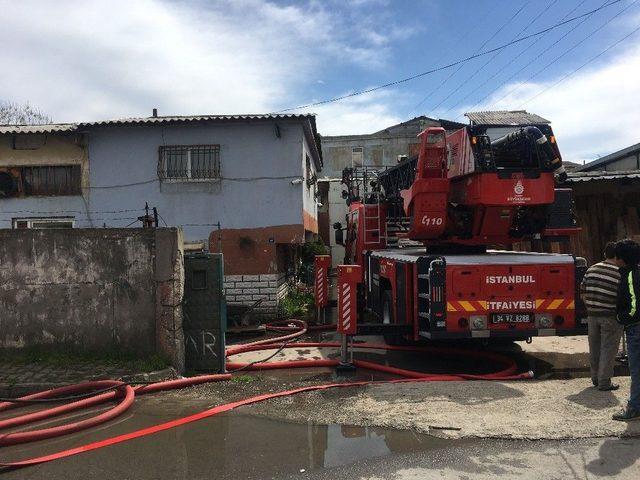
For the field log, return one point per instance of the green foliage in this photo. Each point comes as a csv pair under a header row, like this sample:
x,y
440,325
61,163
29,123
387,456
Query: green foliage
x,y
242,378
298,303
307,254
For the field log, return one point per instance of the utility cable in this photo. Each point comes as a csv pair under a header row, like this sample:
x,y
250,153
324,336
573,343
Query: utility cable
x,y
230,179
479,49
477,71
441,57
75,211
552,62
160,216
635,30
444,67
514,58
249,365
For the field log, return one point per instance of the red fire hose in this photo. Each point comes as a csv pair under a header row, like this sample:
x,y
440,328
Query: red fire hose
x,y
125,394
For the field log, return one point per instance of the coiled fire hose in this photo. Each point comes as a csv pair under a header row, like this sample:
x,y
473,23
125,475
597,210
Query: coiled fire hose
x,y
125,393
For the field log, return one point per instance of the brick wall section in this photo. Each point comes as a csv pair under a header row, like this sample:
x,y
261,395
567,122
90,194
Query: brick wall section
x,y
247,289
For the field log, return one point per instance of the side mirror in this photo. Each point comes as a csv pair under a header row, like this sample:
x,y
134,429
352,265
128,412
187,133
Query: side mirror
x,y
339,235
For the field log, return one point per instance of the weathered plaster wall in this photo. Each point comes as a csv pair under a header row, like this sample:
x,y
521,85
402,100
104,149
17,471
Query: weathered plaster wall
x,y
248,197
60,149
91,289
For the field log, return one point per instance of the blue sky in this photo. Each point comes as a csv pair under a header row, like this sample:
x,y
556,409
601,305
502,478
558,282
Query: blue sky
x,y
86,60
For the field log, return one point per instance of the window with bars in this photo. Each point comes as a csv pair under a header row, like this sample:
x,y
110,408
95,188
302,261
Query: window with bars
x,y
189,162
52,180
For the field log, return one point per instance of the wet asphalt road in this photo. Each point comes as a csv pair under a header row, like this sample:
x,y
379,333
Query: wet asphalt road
x,y
239,446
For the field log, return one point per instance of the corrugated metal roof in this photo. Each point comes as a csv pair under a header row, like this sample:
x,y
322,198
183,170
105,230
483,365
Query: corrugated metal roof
x,y
505,117
48,128
69,127
195,118
612,157
576,177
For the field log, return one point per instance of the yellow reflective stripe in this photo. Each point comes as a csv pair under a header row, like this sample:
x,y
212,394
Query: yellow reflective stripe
x,y
632,292
467,306
555,304
483,304
539,302
571,305
450,307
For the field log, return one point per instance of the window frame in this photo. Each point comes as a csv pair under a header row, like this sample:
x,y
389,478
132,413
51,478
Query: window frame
x,y
162,167
357,152
36,220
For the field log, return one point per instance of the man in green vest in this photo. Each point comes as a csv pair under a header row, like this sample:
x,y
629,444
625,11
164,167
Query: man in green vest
x,y
628,307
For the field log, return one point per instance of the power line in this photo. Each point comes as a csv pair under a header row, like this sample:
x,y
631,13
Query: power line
x,y
569,50
230,179
199,224
81,212
479,49
542,11
593,32
165,223
144,182
9,219
584,64
444,67
514,58
252,179
467,34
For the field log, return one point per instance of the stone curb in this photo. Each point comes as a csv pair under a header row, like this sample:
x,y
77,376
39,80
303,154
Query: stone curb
x,y
21,389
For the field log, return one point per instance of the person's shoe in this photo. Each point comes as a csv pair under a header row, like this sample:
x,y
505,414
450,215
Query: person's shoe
x,y
594,381
626,415
610,387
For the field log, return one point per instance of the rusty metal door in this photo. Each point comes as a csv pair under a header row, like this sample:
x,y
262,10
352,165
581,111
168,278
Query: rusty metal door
x,y
205,312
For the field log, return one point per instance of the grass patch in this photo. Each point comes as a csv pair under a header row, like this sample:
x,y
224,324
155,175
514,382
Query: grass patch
x,y
61,359
242,378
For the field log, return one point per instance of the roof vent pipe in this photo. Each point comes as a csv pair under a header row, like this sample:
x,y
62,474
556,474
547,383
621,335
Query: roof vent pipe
x,y
154,113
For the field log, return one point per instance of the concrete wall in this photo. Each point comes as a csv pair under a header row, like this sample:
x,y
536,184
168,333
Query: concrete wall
x,y
92,290
377,151
630,162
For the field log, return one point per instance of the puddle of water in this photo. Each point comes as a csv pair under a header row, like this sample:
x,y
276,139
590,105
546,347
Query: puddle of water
x,y
228,446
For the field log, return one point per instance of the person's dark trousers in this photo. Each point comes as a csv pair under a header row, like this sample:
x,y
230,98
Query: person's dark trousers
x,y
604,339
633,353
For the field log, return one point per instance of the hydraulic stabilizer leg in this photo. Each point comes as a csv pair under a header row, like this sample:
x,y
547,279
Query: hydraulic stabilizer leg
x,y
348,278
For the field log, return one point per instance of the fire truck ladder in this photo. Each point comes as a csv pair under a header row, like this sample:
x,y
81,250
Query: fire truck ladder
x,y
372,222
372,198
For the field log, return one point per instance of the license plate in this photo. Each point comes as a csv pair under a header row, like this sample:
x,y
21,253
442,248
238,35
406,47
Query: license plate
x,y
512,318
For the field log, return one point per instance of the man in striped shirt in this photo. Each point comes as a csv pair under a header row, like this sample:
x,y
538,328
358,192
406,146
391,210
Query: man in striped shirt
x,y
600,291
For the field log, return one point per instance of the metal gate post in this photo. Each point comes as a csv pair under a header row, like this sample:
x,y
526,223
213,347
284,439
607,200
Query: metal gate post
x,y
322,263
348,278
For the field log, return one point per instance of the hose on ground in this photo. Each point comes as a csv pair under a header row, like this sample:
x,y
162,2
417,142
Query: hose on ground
x,y
124,394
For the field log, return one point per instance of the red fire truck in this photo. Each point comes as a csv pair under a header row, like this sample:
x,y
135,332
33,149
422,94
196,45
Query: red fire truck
x,y
430,232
